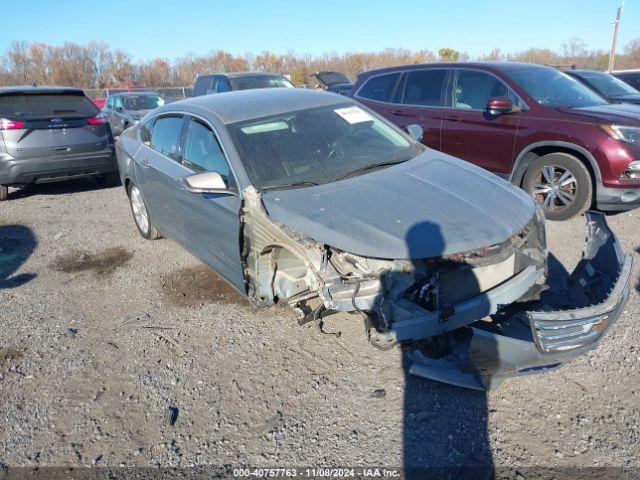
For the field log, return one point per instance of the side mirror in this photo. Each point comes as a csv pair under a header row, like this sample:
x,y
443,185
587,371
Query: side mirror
x,y
415,131
208,182
119,109
500,106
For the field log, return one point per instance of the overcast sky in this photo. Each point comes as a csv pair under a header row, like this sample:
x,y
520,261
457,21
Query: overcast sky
x,y
169,29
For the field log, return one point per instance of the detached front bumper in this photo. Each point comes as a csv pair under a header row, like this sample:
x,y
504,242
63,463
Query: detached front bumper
x,y
521,343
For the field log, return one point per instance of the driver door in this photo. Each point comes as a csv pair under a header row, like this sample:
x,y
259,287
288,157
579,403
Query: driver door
x,y
209,224
469,131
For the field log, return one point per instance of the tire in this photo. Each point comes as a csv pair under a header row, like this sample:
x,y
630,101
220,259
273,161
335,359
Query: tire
x,y
4,192
140,214
562,183
111,179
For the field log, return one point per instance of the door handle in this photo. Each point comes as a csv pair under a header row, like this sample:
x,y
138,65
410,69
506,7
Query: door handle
x,y
452,118
144,162
400,113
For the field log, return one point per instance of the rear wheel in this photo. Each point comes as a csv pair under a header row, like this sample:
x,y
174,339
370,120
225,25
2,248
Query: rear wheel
x,y
562,184
141,215
4,192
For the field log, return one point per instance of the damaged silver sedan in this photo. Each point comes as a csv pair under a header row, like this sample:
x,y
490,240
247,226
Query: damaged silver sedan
x,y
311,199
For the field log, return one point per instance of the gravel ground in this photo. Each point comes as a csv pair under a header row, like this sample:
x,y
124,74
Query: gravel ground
x,y
120,352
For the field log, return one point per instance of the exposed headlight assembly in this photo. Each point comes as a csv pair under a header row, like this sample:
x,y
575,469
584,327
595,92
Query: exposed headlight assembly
x,y
628,134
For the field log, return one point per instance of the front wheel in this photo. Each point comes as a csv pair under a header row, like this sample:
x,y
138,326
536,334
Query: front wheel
x,y
561,183
141,215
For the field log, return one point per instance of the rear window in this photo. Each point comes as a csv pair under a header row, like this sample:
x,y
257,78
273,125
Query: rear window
x,y
34,106
379,88
261,81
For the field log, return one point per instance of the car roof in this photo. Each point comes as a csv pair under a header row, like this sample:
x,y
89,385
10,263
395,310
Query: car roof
x,y
133,94
242,105
586,71
40,89
500,66
241,74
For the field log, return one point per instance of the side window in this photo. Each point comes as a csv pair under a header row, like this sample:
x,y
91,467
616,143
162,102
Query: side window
x,y
109,103
379,88
222,85
473,89
165,137
203,85
634,81
425,87
117,102
202,151
145,131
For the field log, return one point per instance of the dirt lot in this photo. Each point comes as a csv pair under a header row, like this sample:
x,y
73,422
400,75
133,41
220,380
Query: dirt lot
x,y
116,351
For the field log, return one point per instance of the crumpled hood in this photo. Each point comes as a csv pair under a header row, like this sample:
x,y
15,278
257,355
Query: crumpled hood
x,y
621,113
430,206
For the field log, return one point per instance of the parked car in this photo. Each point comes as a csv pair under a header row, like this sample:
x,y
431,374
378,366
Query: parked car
x,y
336,82
632,77
227,82
533,125
305,197
52,133
126,109
612,89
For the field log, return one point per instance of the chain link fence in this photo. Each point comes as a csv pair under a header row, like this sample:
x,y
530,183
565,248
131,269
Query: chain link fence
x,y
169,94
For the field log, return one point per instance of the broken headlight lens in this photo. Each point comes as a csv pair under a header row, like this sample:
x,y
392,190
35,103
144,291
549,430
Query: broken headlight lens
x,y
627,134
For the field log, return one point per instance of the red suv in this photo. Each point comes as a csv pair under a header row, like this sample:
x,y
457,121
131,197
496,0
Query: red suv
x,y
531,124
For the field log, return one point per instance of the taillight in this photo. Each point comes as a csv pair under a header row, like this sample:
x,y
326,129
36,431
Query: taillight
x,y
99,119
6,124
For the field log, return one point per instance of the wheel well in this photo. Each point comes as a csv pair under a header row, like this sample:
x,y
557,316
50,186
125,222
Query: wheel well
x,y
538,152
127,181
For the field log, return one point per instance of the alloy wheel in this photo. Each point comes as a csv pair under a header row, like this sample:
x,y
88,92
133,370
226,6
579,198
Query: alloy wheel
x,y
139,210
555,187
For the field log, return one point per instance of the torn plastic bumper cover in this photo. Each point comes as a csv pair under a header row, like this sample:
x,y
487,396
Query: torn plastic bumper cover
x,y
486,352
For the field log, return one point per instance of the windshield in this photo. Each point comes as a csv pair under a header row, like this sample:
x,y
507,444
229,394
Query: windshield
x,y
317,145
142,102
608,84
260,81
552,88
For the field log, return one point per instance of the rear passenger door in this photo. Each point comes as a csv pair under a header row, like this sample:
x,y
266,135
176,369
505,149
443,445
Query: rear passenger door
x,y
469,131
422,97
158,166
406,98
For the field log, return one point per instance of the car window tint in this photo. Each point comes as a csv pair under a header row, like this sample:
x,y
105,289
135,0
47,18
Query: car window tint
x,y
145,131
425,87
473,89
202,151
46,105
379,88
633,80
165,137
222,85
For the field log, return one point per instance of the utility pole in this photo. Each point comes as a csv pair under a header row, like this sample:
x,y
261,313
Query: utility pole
x,y
616,26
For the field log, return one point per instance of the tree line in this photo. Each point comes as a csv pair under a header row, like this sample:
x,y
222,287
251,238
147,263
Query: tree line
x,y
96,65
